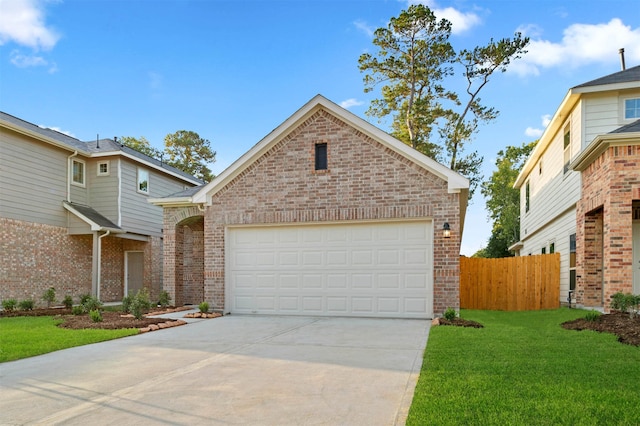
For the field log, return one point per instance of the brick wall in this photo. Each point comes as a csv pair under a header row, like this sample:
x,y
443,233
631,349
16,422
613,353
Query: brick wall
x,y
35,257
365,181
604,263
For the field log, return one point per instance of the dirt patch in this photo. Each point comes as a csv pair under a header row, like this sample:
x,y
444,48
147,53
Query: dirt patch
x,y
627,329
110,320
457,322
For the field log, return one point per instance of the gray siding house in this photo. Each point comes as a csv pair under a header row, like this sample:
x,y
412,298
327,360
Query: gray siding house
x,y
74,215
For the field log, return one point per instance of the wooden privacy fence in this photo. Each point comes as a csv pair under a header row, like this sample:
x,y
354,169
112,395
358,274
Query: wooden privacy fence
x,y
511,283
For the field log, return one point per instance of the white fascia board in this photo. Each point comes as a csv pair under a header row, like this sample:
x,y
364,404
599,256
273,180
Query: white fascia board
x,y
606,87
172,202
455,181
559,117
146,163
40,137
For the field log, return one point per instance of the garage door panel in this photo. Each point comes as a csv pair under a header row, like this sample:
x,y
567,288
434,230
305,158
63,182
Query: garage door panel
x,y
368,269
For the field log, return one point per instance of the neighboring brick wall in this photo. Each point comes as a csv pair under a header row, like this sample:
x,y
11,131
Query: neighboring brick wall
x,y
365,181
35,257
604,225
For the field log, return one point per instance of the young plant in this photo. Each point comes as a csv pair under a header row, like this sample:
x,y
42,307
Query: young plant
x,y
84,298
95,315
450,314
49,296
91,304
592,316
77,310
26,305
68,302
126,303
164,300
204,307
9,305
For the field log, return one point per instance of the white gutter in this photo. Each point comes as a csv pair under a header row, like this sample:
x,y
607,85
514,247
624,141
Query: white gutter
x,y
99,254
69,173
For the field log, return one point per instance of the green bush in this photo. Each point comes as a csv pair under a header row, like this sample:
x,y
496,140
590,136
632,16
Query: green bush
x,y
450,314
49,296
26,305
95,315
9,305
67,302
84,298
592,316
91,304
126,303
77,310
204,307
138,304
625,303
164,299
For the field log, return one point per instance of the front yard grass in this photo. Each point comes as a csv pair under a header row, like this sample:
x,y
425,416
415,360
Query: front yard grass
x,y
523,368
22,337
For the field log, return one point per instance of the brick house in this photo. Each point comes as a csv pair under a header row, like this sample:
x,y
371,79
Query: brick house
x,y
327,215
580,190
74,215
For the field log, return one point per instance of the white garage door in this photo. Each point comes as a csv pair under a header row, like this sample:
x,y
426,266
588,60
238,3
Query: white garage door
x,y
369,269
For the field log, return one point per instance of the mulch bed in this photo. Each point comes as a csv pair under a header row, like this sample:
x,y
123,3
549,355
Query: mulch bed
x,y
110,320
627,329
458,322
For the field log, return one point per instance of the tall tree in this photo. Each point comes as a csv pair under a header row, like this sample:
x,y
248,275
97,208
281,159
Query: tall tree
x,y
413,60
414,56
141,145
503,200
189,152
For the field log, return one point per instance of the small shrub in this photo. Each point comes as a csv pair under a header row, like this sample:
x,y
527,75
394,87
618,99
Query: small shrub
x,y
26,305
592,316
84,298
95,315
625,303
450,314
77,310
143,298
126,303
164,299
136,308
9,305
68,302
49,296
204,307
91,304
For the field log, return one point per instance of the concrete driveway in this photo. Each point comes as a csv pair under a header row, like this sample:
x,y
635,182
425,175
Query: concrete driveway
x,y
258,370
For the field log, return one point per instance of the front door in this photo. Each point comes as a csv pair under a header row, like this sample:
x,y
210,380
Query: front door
x,y
636,257
134,271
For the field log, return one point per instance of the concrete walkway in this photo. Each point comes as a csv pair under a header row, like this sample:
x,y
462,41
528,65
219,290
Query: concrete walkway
x,y
257,370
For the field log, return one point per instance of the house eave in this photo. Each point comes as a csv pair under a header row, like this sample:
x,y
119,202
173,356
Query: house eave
x,y
146,163
172,202
599,145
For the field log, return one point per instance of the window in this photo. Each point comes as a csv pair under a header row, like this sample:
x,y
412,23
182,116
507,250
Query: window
x,y
572,262
103,168
631,108
567,148
143,181
544,250
78,172
526,196
321,156
552,248
540,167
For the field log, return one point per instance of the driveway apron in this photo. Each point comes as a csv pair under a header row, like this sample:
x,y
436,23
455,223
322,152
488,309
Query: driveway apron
x,y
236,370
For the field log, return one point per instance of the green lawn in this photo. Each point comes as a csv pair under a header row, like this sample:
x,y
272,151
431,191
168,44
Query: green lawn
x,y
22,337
524,369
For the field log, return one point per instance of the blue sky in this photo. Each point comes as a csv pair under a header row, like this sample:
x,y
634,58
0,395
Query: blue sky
x,y
232,71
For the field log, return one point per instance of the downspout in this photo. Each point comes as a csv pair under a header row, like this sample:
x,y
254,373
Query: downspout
x,y
69,172
99,255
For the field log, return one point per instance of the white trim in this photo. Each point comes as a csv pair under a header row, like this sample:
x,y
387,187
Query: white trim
x,y
623,107
100,163
82,184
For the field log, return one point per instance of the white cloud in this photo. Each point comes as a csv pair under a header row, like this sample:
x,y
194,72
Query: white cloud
x,y
536,133
58,129
26,61
460,21
348,103
22,22
581,44
367,29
